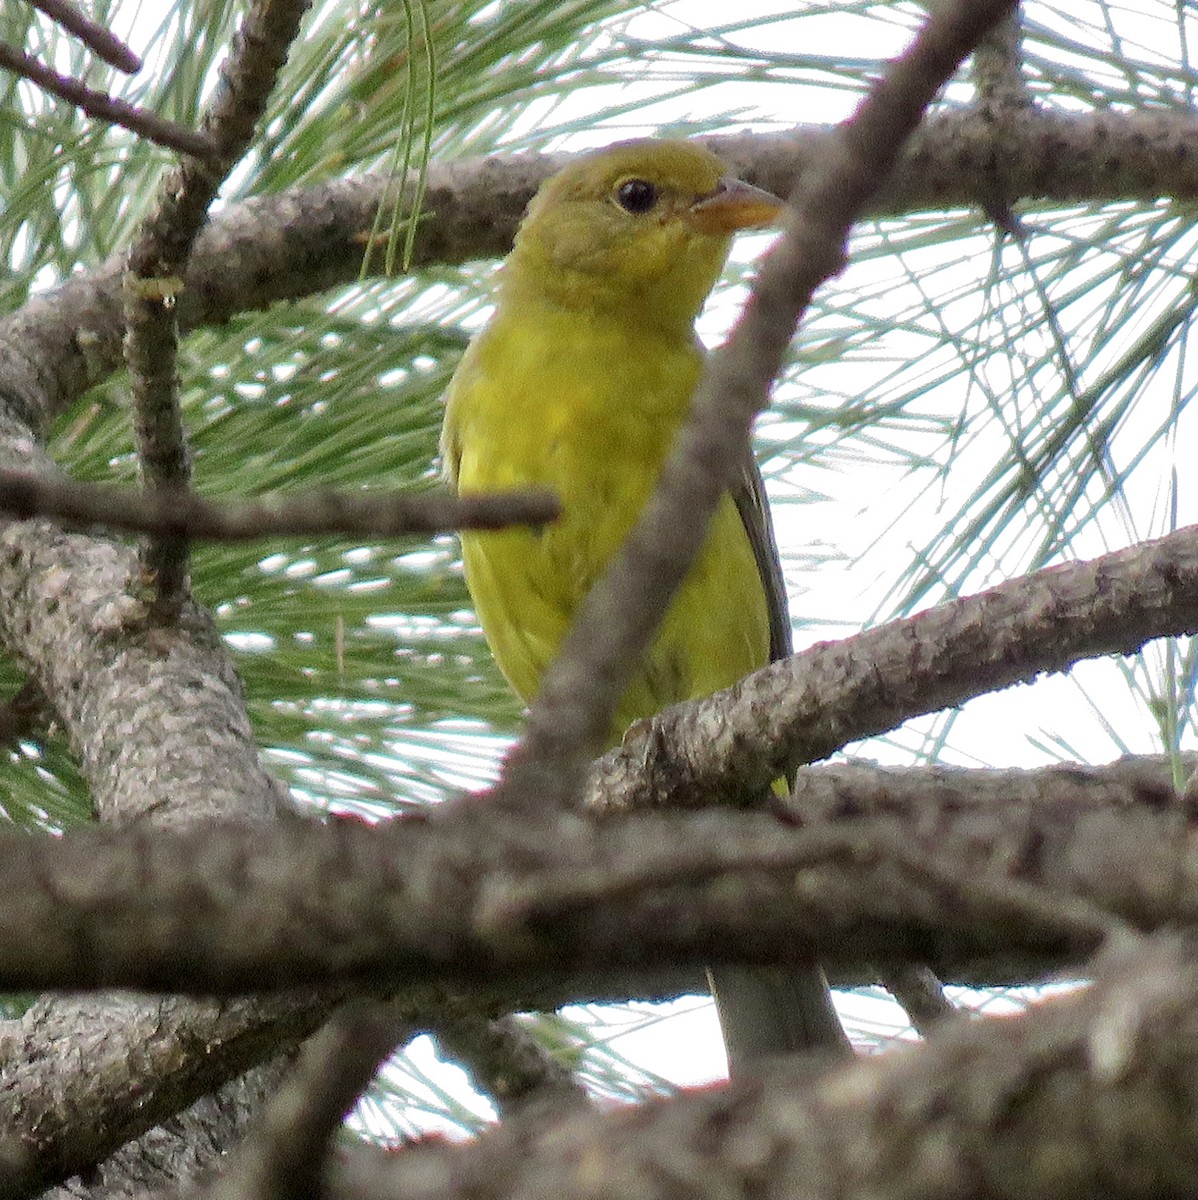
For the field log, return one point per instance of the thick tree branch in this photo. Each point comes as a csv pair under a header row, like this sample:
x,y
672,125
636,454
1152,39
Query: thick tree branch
x,y
858,789
286,246
71,610
69,613
69,1067
492,903
808,706
1089,1095
79,1126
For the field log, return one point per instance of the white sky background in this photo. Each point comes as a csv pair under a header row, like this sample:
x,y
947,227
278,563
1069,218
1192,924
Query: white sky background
x,y
858,521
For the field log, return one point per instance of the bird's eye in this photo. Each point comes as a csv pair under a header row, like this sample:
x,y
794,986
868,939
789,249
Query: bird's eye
x,y
636,196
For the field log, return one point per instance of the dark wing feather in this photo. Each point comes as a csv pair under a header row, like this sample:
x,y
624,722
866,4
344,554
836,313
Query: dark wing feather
x,y
749,495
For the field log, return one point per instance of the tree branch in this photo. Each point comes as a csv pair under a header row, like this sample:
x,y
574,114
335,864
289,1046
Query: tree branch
x,y
105,44
68,1068
104,107
288,1155
998,67
158,259
920,995
294,244
489,902
1092,1094
506,1063
806,707
184,514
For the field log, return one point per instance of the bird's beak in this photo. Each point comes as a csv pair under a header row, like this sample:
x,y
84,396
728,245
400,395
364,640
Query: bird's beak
x,y
732,206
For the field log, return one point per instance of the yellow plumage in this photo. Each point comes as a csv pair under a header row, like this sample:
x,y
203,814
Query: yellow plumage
x,y
579,383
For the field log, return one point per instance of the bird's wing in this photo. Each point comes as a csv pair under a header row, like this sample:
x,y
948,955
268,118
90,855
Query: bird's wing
x,y
748,492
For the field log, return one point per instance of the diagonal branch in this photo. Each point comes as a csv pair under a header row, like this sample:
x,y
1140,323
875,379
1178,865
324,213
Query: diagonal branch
x,y
506,1063
289,1154
807,707
105,44
106,108
572,714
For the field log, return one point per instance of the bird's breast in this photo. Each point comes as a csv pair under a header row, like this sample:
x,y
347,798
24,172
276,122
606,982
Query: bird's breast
x,y
585,406
590,413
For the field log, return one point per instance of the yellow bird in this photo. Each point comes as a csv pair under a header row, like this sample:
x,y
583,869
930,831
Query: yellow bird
x,y
578,383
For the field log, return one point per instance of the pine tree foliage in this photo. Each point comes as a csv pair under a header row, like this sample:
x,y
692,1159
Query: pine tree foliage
x,y
966,403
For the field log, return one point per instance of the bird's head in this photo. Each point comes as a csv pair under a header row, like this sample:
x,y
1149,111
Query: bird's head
x,y
641,228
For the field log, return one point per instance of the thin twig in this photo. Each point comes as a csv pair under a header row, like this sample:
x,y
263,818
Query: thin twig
x,y
94,36
159,258
107,108
167,513
287,1156
151,354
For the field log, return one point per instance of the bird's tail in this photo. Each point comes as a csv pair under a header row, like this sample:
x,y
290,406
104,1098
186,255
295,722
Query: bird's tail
x,y
767,1011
